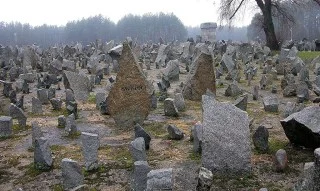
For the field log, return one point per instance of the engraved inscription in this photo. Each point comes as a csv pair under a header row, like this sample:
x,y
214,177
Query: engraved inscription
x,y
133,88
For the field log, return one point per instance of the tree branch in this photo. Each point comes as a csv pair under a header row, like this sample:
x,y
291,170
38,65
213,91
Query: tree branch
x,y
236,9
317,1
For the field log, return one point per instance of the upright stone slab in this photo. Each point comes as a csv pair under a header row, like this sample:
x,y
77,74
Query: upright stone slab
x,y
141,170
71,174
129,100
100,97
17,113
5,126
36,132
225,139
138,149
140,132
90,145
79,83
43,96
200,78
71,127
42,154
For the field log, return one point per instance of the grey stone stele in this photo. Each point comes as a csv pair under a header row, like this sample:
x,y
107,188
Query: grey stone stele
x,y
160,179
90,146
71,127
138,150
141,170
36,132
226,138
169,108
42,154
36,106
71,174
5,126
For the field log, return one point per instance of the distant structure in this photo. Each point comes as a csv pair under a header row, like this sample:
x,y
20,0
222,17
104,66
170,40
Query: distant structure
x,y
208,31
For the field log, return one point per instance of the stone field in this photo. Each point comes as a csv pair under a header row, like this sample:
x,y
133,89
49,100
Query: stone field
x,y
173,116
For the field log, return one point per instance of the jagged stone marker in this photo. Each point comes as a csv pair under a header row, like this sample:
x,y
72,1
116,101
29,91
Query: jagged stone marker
x,y
129,99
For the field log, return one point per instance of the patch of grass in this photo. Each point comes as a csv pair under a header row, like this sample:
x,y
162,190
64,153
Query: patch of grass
x,y
3,138
5,176
57,187
276,144
54,113
308,56
92,98
56,148
16,128
65,151
247,182
32,171
156,129
13,161
74,135
120,155
195,156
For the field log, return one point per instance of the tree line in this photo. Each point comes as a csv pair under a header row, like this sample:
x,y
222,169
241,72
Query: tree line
x,y
148,27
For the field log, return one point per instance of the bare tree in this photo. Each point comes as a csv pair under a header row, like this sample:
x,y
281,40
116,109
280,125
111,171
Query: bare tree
x,y
268,8
317,1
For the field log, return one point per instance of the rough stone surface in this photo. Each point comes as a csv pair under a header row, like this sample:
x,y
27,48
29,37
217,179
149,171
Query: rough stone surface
x,y
36,132
90,146
233,90
197,137
260,139
179,102
80,85
161,179
255,93
71,174
174,132
141,170
172,70
140,132
61,121
42,154
242,102
138,149
205,179
17,113
36,106
170,108
270,104
129,100
291,108
43,96
302,128
225,133
280,160
56,103
71,127
201,77
5,126
100,97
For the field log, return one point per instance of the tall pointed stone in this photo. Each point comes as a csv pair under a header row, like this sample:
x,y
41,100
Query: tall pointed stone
x,y
129,99
201,78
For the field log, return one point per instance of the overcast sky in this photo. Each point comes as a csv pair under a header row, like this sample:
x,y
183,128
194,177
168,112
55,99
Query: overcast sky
x,y
59,12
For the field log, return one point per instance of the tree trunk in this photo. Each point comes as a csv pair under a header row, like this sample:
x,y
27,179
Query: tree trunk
x,y
268,26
